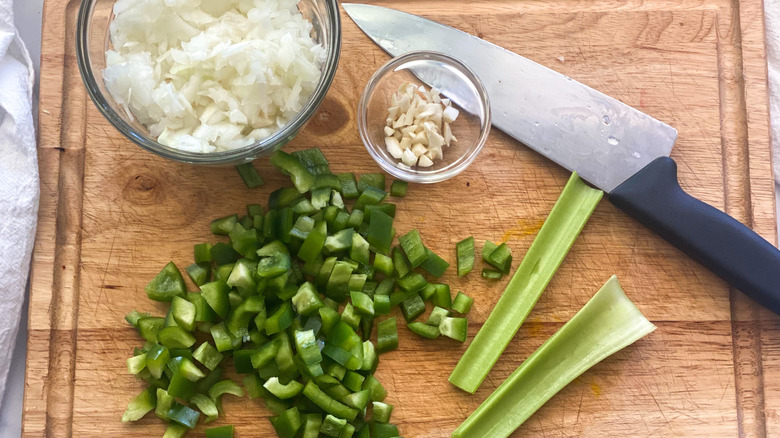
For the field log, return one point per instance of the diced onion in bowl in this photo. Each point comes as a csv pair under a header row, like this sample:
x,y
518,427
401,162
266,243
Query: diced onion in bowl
x,y
211,75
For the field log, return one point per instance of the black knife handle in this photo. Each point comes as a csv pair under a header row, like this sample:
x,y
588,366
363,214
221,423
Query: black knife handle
x,y
718,241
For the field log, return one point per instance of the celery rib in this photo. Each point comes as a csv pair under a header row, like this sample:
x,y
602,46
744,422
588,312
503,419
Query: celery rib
x,y
563,225
608,323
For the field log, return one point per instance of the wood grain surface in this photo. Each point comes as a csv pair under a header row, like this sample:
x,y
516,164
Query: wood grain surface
x,y
112,215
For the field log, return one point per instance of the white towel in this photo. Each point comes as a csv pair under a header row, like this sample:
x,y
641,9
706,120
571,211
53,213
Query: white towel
x,y
772,13
19,190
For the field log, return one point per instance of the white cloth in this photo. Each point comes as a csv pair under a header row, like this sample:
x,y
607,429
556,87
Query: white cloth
x,y
772,13
19,189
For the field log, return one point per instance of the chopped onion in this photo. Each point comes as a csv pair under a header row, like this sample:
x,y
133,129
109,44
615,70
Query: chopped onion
x,y
211,75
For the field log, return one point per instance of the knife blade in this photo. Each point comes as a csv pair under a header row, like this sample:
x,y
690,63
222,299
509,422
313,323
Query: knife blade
x,y
608,143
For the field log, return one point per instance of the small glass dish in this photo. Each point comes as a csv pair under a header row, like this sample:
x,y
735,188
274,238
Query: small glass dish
x,y
93,39
456,82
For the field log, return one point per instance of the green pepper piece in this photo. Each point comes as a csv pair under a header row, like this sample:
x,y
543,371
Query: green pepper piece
x,y
274,265
387,335
242,277
337,287
249,174
441,296
224,225
156,359
150,327
353,381
313,159
370,358
381,412
183,313
271,225
341,220
501,258
329,319
199,273
355,219
383,264
492,274
223,340
222,272
303,207
207,355
328,404
370,196
311,425
400,263
181,387
285,224
350,316
281,318
424,330
386,208
385,287
398,188
312,245
376,391
289,165
242,361
412,282
202,252
225,387
186,368
283,197
465,255
360,249
455,328
332,426
306,300
383,430
133,317
167,284
413,247
381,304
246,222
488,249
302,227
281,391
362,302
206,406
437,316
216,296
220,432
265,354
244,241
223,254
284,357
327,268
136,364
238,321
349,186
176,337
306,346
375,180
339,241
175,430
288,423
357,281
211,378
369,288
380,232
434,264
412,307
329,181
139,406
462,303
164,402
183,415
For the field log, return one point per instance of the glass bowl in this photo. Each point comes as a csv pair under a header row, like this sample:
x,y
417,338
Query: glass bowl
x,y
456,82
92,41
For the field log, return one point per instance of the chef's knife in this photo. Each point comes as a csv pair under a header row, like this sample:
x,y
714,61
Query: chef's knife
x,y
611,145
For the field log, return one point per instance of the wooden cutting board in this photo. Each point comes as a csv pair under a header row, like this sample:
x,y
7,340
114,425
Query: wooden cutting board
x,y
112,215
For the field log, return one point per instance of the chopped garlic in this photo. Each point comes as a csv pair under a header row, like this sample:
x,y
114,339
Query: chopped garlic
x,y
418,125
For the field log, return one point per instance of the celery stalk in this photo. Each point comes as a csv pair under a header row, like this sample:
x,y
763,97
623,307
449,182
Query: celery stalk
x,y
563,225
608,323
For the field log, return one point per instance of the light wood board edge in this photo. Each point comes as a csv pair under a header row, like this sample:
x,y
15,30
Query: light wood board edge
x,y
55,268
